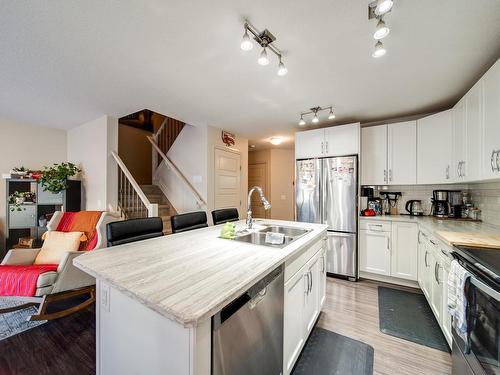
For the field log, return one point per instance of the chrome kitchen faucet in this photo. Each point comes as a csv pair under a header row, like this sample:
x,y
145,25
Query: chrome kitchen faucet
x,y
263,200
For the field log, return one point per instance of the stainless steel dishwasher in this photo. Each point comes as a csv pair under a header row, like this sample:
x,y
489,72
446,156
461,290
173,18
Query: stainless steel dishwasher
x,y
247,335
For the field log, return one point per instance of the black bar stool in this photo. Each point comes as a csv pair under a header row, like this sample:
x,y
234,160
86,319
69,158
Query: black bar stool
x,y
224,215
126,231
189,221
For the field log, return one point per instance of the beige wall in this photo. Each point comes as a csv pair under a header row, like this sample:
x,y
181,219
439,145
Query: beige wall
x,y
90,146
30,146
135,151
280,180
241,144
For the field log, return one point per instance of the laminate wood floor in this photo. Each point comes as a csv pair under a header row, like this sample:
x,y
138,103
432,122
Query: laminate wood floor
x,y
351,309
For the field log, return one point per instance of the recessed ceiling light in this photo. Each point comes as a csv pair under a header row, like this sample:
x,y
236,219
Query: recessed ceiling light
x,y
379,50
246,43
381,31
383,6
251,146
276,140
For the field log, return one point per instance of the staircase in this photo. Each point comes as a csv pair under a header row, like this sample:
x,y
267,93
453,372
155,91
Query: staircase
x,y
165,209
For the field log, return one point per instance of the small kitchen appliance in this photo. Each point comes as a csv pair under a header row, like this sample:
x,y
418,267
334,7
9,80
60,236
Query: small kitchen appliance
x,y
456,202
390,202
414,207
440,204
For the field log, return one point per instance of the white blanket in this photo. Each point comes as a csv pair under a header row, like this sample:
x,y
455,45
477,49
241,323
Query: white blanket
x,y
457,303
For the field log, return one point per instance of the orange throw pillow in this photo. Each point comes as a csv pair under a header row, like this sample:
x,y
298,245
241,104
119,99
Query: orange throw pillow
x,y
56,244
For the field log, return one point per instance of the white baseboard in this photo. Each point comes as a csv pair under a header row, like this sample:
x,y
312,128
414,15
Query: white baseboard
x,y
388,279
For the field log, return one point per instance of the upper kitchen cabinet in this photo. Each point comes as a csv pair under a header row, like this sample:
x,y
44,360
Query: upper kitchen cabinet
x,y
471,169
434,148
334,141
309,144
491,125
402,153
389,154
374,155
459,144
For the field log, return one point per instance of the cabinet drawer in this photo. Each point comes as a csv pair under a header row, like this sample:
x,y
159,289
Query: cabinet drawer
x,y
295,263
375,225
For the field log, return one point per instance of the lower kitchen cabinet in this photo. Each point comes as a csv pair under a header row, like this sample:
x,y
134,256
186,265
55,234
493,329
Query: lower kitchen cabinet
x,y
404,250
375,250
436,295
304,295
445,317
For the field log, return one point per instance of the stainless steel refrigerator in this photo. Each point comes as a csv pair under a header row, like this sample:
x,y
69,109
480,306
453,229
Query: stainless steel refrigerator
x,y
327,193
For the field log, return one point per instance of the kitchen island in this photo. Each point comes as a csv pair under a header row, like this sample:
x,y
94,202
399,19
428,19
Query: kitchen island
x,y
156,298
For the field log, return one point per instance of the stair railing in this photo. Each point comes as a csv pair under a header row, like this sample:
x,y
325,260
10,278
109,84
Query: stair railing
x,y
132,201
170,164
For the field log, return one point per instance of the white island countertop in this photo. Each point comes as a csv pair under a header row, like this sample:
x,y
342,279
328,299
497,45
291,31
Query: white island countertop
x,y
190,276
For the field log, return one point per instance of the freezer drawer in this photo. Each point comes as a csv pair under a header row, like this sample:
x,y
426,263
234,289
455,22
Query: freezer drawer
x,y
341,256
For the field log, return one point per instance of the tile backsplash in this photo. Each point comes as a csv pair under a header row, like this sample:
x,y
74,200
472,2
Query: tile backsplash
x,y
485,196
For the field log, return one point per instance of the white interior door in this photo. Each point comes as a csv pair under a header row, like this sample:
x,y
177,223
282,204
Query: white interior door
x,y
227,179
257,176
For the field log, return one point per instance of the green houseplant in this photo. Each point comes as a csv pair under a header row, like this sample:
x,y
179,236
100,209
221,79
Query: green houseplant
x,y
54,178
17,199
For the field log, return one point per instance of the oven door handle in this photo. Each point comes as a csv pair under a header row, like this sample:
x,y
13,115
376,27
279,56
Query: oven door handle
x,y
485,288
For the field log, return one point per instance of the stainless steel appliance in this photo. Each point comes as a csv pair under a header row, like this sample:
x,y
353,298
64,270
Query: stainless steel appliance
x,y
327,192
455,200
247,335
482,355
440,204
414,207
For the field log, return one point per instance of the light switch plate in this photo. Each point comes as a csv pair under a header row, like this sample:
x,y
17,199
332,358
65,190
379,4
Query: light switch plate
x,y
105,297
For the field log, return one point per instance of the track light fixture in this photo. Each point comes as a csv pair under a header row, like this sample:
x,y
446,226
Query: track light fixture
x,y
383,7
381,31
265,39
377,9
379,50
315,111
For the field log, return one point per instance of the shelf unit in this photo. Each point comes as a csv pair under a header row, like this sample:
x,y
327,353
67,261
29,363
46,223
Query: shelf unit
x,y
25,223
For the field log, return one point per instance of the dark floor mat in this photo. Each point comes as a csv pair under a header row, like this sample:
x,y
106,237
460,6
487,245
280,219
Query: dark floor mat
x,y
408,316
328,353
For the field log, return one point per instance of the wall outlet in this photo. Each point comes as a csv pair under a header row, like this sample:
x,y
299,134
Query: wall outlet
x,y
105,297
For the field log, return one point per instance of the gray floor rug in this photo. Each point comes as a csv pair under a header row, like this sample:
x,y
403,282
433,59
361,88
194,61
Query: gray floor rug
x,y
328,353
15,322
408,316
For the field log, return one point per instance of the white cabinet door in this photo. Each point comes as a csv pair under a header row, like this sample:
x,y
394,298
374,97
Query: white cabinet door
x,y
422,268
436,285
311,310
472,167
459,140
491,115
374,155
294,331
434,148
404,250
322,278
402,153
445,317
309,144
375,255
342,140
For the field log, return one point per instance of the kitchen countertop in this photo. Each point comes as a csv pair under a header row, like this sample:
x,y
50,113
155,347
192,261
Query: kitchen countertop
x,y
190,276
435,225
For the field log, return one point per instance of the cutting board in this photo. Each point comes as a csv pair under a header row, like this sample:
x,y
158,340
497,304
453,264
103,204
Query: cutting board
x,y
471,239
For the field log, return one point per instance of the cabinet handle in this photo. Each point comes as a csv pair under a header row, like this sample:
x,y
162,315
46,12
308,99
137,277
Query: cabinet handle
x,y
462,169
459,165
448,172
388,244
390,175
432,242
425,259
311,282
436,272
498,160
322,147
385,175
307,288
327,147
378,226
492,160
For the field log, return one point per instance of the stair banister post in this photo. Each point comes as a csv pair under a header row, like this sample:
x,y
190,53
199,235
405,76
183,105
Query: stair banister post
x,y
153,210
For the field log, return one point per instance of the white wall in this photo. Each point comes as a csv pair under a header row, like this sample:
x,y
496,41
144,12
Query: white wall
x,y
90,146
189,154
30,146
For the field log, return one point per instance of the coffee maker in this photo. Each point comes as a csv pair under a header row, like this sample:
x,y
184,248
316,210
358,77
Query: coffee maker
x,y
455,200
440,204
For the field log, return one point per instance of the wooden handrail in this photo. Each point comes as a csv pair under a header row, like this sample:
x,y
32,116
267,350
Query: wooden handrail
x,y
171,165
133,182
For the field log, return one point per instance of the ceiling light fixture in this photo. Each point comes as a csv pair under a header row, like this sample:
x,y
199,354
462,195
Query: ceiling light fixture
x,y
265,40
276,140
381,31
383,6
315,110
246,43
379,50
263,59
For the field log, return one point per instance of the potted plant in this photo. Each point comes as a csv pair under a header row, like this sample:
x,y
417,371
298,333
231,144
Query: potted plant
x,y
17,199
54,178
19,172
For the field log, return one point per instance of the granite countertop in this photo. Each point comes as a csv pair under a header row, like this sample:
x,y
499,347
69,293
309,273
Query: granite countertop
x,y
435,225
190,276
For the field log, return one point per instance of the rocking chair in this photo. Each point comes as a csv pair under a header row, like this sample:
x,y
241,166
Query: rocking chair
x,y
59,282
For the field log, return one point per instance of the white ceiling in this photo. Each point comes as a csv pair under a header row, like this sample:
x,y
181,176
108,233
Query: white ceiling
x,y
67,62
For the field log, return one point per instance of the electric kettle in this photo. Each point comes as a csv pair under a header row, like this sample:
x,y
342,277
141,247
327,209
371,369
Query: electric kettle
x,y
414,207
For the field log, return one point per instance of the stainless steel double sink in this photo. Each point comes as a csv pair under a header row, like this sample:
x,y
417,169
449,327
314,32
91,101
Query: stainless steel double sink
x,y
259,237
